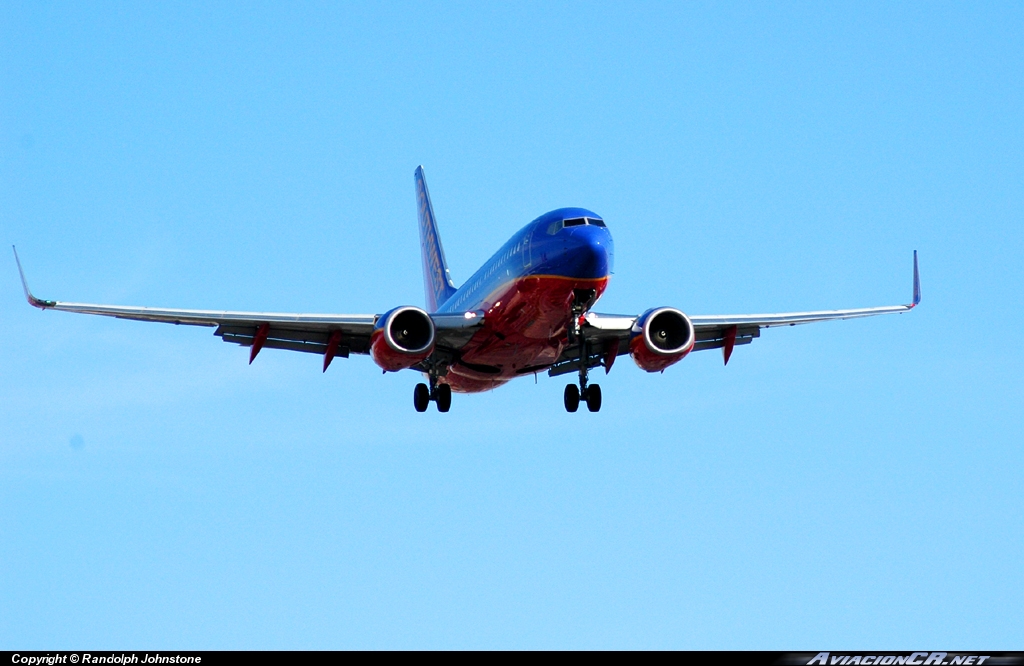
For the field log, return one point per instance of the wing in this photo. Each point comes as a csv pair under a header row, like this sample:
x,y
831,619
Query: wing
x,y
329,335
608,336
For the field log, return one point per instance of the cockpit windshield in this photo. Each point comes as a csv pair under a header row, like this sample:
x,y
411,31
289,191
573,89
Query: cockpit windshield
x,y
575,222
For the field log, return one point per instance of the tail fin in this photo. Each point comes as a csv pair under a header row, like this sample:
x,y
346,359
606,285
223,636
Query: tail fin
x,y
437,281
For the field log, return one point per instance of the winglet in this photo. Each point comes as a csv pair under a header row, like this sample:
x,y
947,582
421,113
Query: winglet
x,y
917,283
32,300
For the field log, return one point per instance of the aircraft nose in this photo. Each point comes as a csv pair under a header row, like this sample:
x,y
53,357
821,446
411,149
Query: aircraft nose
x,y
592,251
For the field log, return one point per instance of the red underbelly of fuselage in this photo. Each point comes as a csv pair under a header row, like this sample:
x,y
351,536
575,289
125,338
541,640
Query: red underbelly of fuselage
x,y
524,330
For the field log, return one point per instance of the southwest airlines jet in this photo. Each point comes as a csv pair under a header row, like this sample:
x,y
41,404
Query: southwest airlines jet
x,y
527,310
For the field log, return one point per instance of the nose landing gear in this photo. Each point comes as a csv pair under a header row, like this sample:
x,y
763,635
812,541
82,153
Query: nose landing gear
x,y
591,394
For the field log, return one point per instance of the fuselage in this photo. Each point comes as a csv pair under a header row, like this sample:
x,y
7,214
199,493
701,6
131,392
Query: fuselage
x,y
526,292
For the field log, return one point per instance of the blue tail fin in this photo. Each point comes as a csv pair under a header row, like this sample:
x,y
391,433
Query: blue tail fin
x,y
437,281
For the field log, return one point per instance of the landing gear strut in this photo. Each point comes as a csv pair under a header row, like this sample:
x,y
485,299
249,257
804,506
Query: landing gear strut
x,y
591,394
582,299
439,393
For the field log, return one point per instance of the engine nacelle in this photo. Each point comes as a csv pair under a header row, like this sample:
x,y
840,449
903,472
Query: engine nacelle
x,y
661,337
402,338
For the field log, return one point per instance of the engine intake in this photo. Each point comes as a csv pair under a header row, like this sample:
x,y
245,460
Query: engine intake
x,y
402,338
661,337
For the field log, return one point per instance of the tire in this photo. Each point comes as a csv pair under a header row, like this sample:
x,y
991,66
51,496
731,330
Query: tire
x,y
594,398
421,397
444,397
572,398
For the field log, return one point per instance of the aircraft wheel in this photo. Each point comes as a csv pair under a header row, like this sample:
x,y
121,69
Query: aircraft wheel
x,y
594,398
421,397
572,398
444,397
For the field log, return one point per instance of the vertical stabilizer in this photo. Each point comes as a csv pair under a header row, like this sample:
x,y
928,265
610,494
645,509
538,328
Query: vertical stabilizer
x,y
437,281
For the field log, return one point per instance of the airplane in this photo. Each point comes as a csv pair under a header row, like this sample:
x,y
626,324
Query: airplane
x,y
527,310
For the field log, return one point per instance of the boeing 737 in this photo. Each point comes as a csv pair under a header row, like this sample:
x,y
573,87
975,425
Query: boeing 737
x,y
529,309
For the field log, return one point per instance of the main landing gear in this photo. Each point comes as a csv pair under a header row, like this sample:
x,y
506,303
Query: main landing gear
x,y
442,395
591,395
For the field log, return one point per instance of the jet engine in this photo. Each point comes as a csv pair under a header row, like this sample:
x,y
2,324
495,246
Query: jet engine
x,y
661,337
402,338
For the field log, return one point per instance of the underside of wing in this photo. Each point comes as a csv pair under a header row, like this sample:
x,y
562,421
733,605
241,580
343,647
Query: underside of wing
x,y
329,335
608,335
715,331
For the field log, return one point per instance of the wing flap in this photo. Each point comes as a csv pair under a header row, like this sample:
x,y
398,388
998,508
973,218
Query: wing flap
x,y
310,341
308,347
715,338
718,344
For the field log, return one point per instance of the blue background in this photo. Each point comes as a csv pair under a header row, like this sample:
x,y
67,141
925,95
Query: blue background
x,y
841,484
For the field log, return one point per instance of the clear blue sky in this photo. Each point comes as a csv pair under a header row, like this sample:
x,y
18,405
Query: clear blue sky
x,y
842,484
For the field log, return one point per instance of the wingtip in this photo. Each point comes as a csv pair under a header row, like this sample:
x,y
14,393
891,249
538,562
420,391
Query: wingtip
x,y
917,283
21,273
32,300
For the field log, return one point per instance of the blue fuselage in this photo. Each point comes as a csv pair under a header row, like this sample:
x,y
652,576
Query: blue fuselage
x,y
526,292
544,247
